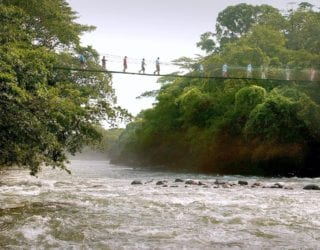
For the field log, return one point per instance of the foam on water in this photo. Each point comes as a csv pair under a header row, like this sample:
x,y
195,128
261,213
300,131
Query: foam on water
x,y
97,208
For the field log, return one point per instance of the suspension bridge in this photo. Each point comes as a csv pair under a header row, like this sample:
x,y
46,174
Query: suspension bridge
x,y
114,65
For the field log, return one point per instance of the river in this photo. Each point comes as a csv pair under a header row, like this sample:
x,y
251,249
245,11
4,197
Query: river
x,y
97,208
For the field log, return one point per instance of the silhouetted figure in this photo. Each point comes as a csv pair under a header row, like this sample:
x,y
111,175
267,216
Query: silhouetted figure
x,y
157,66
125,64
104,62
143,66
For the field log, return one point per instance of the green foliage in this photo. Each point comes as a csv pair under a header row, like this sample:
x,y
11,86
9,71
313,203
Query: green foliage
x,y
46,113
275,119
228,126
246,99
304,30
53,22
206,42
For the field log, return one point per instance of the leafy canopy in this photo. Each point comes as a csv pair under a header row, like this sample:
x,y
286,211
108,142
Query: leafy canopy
x,y
46,113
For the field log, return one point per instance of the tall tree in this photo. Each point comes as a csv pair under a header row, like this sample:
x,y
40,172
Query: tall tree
x,y
45,113
235,21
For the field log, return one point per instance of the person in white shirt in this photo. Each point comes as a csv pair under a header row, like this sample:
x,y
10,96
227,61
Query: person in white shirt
x,y
249,70
157,67
225,70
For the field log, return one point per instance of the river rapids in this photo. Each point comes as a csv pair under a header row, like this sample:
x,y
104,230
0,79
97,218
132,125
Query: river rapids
x,y
97,208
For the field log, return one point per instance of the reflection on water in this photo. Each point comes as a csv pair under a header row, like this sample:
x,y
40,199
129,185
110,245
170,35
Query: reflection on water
x,y
97,208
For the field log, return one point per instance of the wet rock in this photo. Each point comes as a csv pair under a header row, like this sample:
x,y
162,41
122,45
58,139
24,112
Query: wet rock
x,y
205,186
136,182
191,182
178,180
174,186
165,185
148,181
194,182
225,185
256,184
160,183
276,185
311,187
243,183
219,182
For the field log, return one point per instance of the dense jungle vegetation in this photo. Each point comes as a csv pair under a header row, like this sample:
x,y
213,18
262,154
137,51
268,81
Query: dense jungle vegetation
x,y
44,113
253,127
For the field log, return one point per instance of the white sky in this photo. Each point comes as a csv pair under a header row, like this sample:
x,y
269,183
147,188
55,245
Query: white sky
x,y
145,28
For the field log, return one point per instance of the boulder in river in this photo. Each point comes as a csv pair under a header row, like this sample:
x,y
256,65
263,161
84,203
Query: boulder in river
x,y
243,183
136,182
161,182
276,185
178,180
256,184
192,182
219,182
311,187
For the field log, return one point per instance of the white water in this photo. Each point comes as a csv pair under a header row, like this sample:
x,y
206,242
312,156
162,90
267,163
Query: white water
x,y
97,208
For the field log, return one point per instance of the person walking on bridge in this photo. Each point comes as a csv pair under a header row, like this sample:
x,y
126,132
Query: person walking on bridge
x,y
143,66
201,69
225,70
312,73
82,60
287,73
104,62
249,70
125,64
157,67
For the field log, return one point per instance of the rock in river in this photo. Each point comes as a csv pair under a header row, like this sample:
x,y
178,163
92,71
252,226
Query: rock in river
x,y
311,187
192,182
135,182
178,180
243,183
161,182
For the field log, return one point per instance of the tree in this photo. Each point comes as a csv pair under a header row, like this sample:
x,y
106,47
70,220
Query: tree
x,y
46,18
304,30
235,21
206,42
45,113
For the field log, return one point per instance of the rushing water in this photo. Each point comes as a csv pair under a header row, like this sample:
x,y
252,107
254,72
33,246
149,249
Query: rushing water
x,y
97,208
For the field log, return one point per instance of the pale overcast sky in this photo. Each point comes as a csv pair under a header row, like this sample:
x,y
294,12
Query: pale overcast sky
x,y
145,28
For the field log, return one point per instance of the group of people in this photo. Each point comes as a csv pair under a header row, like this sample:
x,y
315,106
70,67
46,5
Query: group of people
x,y
225,67
264,70
143,66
